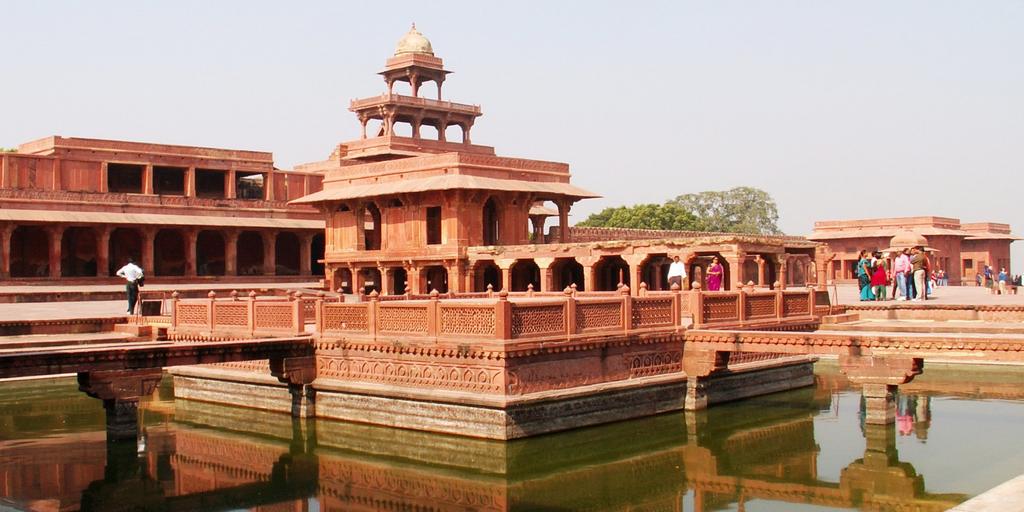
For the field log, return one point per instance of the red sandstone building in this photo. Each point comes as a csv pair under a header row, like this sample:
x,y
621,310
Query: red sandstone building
x,y
414,206
79,208
963,250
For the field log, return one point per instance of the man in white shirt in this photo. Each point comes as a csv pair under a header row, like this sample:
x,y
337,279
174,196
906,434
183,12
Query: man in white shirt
x,y
676,272
131,272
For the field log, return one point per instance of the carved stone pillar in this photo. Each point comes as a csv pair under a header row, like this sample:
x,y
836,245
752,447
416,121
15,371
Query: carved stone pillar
x,y
189,236
231,252
385,280
547,276
762,270
120,391
103,250
538,229
269,256
456,279
589,281
563,220
781,270
190,182
5,238
735,262
412,280
880,377
229,184
506,273
636,275
146,258
54,234
306,254
147,179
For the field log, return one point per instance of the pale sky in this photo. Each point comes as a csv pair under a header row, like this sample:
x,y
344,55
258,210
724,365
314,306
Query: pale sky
x,y
838,109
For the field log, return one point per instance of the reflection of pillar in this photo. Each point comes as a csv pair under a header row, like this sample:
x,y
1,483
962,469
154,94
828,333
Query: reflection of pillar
x,y
189,236
54,233
269,261
306,254
103,251
880,376
231,253
120,391
5,239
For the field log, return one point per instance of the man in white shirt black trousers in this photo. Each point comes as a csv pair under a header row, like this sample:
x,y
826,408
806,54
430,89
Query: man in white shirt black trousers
x,y
676,273
132,273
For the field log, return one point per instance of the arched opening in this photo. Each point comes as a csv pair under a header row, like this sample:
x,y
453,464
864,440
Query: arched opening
x,y
370,280
250,254
609,272
402,129
566,272
398,278
169,253
702,261
654,272
750,271
343,280
429,132
436,278
78,253
125,244
286,254
210,252
453,133
371,228
523,274
316,254
486,273
491,220
30,252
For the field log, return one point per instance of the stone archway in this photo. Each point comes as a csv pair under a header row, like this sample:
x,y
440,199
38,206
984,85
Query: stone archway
x,y
486,272
609,272
30,252
491,222
343,280
654,271
169,257
371,235
524,273
435,278
369,278
566,272
249,260
286,254
210,253
316,254
78,252
398,278
125,244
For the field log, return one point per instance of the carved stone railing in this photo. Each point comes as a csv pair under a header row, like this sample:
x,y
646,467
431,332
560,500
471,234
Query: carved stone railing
x,y
237,317
752,309
556,316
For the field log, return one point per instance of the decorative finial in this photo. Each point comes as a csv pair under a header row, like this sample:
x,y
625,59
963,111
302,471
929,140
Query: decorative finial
x,y
413,25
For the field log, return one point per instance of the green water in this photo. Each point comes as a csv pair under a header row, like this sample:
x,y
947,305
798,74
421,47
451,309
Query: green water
x,y
958,435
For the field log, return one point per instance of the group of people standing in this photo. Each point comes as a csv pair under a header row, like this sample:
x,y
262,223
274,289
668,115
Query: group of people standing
x,y
715,274
998,282
908,271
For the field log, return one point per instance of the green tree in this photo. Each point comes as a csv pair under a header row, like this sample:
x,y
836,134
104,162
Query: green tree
x,y
643,216
738,210
8,150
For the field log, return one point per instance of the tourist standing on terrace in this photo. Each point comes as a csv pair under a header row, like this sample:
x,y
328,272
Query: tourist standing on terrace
x,y
676,273
879,279
715,272
132,273
1003,277
917,262
864,275
901,270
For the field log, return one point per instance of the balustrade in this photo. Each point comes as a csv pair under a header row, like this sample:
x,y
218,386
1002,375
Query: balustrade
x,y
754,309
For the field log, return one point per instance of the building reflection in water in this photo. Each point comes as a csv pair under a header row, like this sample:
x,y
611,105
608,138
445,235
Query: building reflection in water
x,y
210,457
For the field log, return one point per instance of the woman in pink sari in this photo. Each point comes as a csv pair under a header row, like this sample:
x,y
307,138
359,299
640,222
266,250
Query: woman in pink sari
x,y
715,272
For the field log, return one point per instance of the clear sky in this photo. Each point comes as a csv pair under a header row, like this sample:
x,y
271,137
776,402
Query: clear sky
x,y
838,109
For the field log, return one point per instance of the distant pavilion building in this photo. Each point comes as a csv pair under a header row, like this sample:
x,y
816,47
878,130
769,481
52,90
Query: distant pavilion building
x,y
963,250
415,205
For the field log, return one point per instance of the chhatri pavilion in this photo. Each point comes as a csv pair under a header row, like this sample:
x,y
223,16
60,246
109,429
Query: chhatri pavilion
x,y
430,211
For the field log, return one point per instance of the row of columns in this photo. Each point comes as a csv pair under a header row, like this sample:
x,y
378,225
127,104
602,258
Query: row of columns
x,y
148,235
230,191
389,117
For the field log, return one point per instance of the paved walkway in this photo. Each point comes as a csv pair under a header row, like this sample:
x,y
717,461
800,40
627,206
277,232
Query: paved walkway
x,y
849,294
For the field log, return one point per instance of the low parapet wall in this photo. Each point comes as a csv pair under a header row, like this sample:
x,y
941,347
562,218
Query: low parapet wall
x,y
939,312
